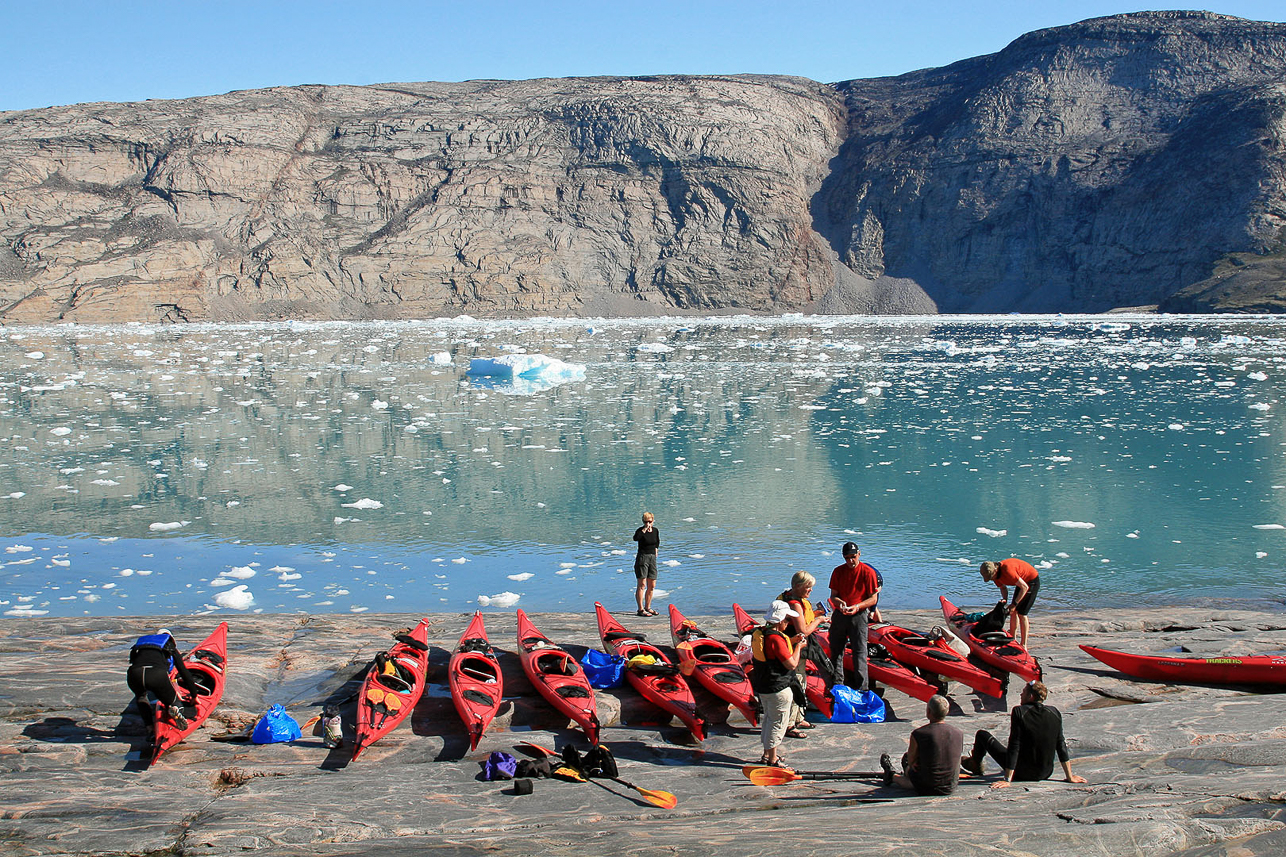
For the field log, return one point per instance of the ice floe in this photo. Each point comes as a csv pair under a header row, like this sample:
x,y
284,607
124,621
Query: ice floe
x,y
503,600
237,598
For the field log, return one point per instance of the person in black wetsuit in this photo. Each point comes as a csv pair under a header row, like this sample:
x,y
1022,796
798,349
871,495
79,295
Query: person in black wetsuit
x,y
150,660
1035,738
929,766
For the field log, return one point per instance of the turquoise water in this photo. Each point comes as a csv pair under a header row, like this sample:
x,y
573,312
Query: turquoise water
x,y
352,467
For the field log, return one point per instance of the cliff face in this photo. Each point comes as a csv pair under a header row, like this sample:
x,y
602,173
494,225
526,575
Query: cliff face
x,y
1124,161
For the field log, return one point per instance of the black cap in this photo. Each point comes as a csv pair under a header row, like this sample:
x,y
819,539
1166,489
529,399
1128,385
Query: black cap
x,y
849,549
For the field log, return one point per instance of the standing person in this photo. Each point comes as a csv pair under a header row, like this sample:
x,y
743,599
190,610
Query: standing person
x,y
775,658
1035,737
930,765
854,591
1025,580
649,539
805,623
150,661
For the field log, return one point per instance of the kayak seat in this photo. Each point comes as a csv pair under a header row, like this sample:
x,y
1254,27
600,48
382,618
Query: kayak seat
x,y
212,658
573,691
940,655
1009,650
612,636
996,637
204,682
558,666
478,674
474,644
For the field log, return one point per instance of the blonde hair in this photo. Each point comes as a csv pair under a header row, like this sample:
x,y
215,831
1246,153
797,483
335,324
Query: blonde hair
x,y
801,579
648,516
989,570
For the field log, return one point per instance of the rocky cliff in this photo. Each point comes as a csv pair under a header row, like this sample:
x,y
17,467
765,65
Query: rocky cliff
x,y
1125,161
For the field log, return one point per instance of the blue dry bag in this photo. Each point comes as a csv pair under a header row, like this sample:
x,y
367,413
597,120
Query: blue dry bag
x,y
603,670
852,706
275,726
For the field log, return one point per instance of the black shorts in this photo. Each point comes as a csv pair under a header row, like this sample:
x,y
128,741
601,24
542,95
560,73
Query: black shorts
x,y
645,566
1023,607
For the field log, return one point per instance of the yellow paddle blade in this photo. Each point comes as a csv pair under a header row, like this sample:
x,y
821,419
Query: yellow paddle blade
x,y
769,776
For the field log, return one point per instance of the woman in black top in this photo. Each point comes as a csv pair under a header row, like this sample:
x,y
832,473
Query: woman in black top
x,y
649,539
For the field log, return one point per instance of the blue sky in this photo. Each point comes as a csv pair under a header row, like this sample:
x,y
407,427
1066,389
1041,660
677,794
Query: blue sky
x,y
57,52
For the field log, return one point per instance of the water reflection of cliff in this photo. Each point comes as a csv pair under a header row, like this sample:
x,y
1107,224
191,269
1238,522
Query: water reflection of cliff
x,y
245,432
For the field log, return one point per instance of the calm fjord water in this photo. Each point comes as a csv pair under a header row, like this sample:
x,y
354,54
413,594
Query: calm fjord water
x,y
350,467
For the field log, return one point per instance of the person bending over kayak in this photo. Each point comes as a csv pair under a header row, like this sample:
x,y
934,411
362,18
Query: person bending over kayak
x,y
1025,580
150,661
1035,738
930,765
775,659
649,539
854,591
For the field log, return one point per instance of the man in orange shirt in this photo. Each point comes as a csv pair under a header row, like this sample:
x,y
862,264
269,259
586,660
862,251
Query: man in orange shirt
x,y
854,591
1025,580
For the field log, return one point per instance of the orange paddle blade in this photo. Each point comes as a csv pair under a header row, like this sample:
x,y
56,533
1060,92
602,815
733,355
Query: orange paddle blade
x,y
656,797
763,775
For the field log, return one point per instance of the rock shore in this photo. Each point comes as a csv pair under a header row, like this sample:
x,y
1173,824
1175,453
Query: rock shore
x,y
1189,770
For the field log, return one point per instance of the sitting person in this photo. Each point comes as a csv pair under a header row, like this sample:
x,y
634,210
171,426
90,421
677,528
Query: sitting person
x,y
929,766
1035,737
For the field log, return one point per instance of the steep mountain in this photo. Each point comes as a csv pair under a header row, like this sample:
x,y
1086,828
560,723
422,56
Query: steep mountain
x,y
1135,160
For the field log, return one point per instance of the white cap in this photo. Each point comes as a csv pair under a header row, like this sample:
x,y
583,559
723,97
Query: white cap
x,y
778,611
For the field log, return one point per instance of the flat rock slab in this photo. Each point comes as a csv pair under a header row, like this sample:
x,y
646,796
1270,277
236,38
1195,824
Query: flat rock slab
x,y
1190,770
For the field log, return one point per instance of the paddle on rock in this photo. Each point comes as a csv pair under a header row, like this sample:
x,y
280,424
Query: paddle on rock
x,y
762,775
656,797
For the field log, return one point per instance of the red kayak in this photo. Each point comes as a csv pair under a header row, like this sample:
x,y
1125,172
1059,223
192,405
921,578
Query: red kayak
x,y
996,647
558,677
1251,669
711,662
934,656
392,687
660,684
206,663
885,671
477,687
814,684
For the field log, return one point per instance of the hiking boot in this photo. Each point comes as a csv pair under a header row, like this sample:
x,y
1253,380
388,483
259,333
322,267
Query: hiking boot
x,y
886,764
970,765
176,714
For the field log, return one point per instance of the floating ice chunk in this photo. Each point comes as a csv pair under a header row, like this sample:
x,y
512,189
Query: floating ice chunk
x,y
1260,554
1175,426
379,406
359,609
222,581
286,575
1133,535
60,431
232,504
653,348
61,563
161,527
567,565
281,568
240,572
440,359
109,483
338,520
237,598
1257,376
25,612
16,495
521,576
127,572
459,560
503,600
1073,525
696,556
341,487
1270,527
1260,406
995,534
661,593
364,503
18,549
671,563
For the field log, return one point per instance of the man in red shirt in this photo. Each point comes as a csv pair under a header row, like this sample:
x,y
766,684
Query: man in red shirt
x,y
854,591
1025,580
